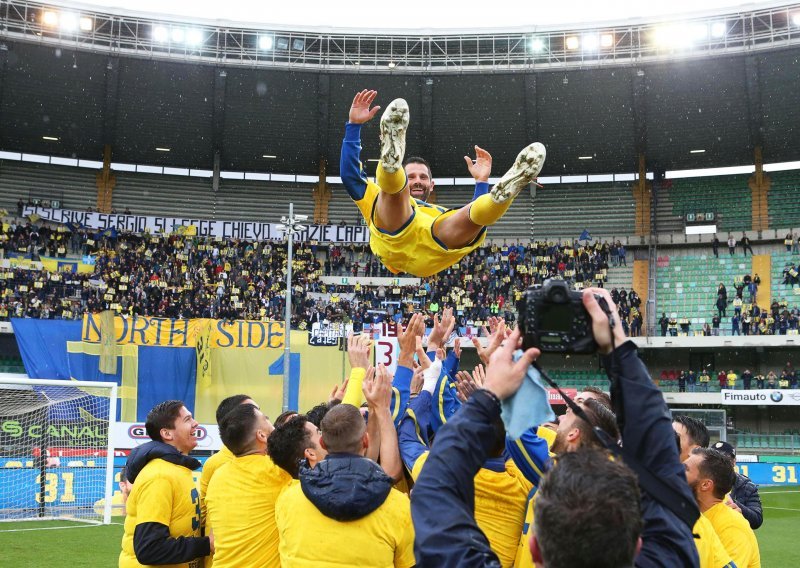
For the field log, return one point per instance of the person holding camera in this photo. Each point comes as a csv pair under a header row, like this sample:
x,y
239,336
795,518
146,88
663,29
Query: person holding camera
x,y
442,501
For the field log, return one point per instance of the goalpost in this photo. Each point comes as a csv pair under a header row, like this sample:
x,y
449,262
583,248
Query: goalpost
x,y
56,449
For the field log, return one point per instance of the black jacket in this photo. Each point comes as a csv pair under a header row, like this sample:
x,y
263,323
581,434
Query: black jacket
x,y
345,487
745,495
152,542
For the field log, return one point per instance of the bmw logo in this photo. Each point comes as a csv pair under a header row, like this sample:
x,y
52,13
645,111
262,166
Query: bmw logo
x,y
776,396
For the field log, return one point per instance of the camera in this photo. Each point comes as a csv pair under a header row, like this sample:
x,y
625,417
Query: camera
x,y
553,319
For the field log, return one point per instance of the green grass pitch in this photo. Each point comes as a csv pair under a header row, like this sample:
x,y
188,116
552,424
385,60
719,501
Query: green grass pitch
x,y
49,544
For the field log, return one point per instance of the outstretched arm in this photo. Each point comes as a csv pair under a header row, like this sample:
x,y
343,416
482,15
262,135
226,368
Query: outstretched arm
x,y
480,169
354,178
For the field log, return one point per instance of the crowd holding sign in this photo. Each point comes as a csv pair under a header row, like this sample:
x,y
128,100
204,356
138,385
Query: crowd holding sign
x,y
247,230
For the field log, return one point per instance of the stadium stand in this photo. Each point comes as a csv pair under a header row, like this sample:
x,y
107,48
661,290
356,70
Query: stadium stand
x,y
727,196
784,199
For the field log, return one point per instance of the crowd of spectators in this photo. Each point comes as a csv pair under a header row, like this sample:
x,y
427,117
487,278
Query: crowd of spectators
x,y
706,379
181,276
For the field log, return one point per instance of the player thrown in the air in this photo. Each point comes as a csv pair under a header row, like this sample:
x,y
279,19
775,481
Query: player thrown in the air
x,y
408,234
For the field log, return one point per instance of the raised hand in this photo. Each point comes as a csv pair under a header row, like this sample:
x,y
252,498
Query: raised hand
x,y
377,387
457,347
338,391
358,349
442,328
407,339
481,167
499,333
359,110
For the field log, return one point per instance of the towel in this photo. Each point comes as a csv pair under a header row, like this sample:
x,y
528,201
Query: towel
x,y
529,406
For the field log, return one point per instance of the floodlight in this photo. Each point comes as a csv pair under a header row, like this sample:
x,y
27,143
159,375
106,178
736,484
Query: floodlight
x,y
87,24
265,42
160,34
698,32
50,18
69,22
283,43
536,44
572,42
194,36
392,65
607,40
796,18
298,44
718,29
590,42
178,35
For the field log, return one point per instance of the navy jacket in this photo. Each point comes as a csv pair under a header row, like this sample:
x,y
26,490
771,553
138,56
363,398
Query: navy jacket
x,y
745,495
345,487
646,427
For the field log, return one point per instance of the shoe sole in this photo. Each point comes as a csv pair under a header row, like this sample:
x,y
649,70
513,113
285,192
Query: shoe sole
x,y
526,167
394,124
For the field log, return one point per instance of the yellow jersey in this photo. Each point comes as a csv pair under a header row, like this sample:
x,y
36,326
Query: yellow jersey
x,y
736,535
163,493
309,539
709,548
241,509
501,500
210,467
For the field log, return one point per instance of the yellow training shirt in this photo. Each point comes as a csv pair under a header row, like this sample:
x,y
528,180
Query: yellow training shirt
x,y
501,500
736,535
211,465
163,493
241,509
709,548
309,539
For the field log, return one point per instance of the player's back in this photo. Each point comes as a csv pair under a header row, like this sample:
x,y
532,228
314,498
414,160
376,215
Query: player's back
x,y
736,535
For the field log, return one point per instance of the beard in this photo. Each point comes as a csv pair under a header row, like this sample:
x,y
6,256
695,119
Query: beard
x,y
426,191
559,444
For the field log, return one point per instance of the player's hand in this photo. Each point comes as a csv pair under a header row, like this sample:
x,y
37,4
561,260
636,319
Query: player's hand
x,y
416,380
359,110
377,387
457,347
358,349
442,329
338,391
481,167
407,339
499,333
730,503
503,375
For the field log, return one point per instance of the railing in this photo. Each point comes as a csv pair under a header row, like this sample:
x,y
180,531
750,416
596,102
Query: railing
x,y
777,442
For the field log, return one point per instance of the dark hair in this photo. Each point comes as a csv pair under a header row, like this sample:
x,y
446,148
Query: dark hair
x,y
602,396
237,427
287,444
717,467
695,429
342,429
162,415
587,512
601,416
418,160
229,404
284,416
499,438
316,414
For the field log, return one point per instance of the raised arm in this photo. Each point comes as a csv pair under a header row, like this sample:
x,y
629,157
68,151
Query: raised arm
x,y
378,392
480,169
354,178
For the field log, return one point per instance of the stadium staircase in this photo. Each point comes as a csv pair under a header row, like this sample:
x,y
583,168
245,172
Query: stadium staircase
x,y
565,211
667,220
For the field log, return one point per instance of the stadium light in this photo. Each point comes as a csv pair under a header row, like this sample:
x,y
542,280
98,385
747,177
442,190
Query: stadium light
x,y
573,42
607,40
69,22
536,44
160,34
266,42
269,156
194,37
283,43
718,29
298,44
87,24
51,138
50,18
675,36
696,151
178,35
585,157
160,149
796,18
698,32
590,42
392,65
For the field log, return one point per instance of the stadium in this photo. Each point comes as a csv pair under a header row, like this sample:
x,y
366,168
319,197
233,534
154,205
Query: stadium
x,y
178,224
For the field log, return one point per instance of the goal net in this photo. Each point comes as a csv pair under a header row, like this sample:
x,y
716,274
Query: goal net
x,y
56,452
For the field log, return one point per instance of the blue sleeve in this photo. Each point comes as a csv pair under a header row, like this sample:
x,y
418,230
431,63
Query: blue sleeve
x,y
450,364
401,391
443,500
354,178
481,188
412,433
445,401
531,455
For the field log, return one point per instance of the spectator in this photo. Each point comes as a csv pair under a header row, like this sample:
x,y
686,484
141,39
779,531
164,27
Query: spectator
x,y
731,379
772,380
664,323
731,244
735,324
745,242
747,378
715,246
760,381
704,379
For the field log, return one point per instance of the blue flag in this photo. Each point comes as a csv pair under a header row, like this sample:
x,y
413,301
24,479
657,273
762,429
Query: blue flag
x,y
585,236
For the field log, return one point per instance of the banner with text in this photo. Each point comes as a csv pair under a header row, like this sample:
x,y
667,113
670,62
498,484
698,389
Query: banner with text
x,y
762,397
247,230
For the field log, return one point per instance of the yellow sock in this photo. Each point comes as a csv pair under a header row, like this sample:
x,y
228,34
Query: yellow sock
x,y
390,183
484,211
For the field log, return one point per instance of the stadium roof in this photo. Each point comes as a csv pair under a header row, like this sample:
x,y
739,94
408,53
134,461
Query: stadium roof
x,y
268,119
